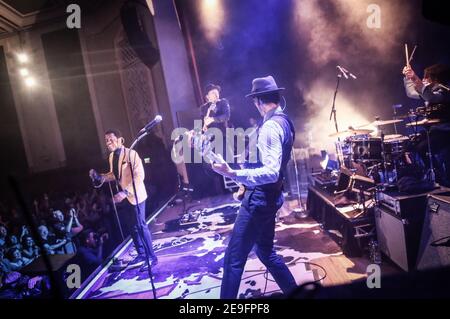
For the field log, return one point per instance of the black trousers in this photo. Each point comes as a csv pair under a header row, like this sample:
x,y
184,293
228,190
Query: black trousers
x,y
255,228
133,222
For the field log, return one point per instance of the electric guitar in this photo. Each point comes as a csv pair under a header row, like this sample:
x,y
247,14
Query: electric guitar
x,y
202,144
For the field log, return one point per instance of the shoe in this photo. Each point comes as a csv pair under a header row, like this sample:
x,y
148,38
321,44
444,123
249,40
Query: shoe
x,y
153,263
140,259
117,265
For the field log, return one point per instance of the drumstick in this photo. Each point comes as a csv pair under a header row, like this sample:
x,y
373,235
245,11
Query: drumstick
x,y
406,54
412,54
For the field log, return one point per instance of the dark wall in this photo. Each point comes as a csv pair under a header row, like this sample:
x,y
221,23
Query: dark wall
x,y
12,158
71,95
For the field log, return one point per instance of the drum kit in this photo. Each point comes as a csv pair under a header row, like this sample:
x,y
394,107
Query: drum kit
x,y
370,152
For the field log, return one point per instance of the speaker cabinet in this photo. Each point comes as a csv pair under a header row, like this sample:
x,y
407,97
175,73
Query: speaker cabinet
x,y
137,35
392,238
434,251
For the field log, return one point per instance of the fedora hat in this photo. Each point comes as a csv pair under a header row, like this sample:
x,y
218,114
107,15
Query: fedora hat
x,y
263,85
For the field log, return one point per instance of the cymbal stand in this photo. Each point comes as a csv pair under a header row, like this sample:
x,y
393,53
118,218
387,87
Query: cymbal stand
x,y
383,159
430,174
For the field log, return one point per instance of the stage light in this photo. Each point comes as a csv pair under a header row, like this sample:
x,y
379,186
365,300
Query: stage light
x,y
24,72
22,57
212,19
211,3
30,81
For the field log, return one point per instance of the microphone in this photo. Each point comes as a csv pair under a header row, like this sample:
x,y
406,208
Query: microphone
x,y
342,71
150,125
347,72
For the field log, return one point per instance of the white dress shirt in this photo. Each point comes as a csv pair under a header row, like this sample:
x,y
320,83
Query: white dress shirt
x,y
270,146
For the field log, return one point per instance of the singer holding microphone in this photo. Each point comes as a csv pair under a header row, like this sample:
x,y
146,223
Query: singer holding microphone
x,y
120,160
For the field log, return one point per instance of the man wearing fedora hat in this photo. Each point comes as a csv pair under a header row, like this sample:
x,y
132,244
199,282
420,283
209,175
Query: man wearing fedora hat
x,y
255,223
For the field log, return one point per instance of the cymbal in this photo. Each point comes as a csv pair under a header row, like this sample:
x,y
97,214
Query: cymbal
x,y
395,138
392,136
350,132
381,123
423,122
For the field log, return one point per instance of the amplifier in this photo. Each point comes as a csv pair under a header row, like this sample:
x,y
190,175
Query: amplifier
x,y
434,251
399,220
405,206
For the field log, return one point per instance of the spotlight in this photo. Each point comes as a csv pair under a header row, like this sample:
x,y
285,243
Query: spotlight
x,y
30,81
22,57
24,72
211,3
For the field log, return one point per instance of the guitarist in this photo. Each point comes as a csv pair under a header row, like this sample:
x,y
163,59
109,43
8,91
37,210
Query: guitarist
x,y
255,223
215,112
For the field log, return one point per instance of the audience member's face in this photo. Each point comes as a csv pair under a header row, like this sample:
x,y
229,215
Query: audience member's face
x,y
113,142
43,232
213,96
29,242
16,254
3,232
58,215
13,240
90,241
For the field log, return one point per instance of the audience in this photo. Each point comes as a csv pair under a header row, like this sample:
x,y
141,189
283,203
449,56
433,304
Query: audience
x,y
61,219
3,235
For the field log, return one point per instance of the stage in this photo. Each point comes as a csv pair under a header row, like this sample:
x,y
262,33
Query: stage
x,y
191,256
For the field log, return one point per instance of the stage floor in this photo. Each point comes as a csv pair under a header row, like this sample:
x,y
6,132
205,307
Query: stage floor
x,y
191,257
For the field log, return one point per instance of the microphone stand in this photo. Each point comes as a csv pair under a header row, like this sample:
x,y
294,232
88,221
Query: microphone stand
x,y
140,229
115,212
333,107
333,115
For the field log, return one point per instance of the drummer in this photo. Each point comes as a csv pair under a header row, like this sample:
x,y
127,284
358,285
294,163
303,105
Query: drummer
x,y
433,89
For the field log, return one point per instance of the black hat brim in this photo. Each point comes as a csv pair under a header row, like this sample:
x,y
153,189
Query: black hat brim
x,y
263,92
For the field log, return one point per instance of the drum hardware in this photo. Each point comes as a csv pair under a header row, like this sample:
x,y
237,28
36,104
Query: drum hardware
x,y
433,111
395,107
431,175
428,112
